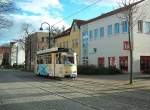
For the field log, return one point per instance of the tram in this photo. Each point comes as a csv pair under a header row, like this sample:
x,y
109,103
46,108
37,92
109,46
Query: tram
x,y
56,62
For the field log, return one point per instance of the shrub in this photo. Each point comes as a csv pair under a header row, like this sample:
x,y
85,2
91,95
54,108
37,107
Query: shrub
x,y
17,66
93,70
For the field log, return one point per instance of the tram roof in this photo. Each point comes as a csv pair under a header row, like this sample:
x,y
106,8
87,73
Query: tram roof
x,y
54,50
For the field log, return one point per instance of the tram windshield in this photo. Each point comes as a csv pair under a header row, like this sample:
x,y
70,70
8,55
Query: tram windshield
x,y
68,60
65,59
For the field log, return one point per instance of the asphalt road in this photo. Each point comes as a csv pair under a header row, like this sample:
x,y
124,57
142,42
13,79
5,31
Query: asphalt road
x,y
25,91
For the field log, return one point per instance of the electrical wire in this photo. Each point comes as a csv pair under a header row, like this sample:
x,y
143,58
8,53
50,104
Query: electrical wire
x,y
79,11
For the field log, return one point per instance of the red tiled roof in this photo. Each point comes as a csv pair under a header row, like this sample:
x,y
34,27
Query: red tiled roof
x,y
79,22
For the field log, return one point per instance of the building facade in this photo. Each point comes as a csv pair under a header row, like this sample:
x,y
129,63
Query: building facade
x,y
17,53
105,40
33,43
70,38
4,55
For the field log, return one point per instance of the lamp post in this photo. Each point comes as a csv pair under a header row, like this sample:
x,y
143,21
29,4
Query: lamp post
x,y
49,34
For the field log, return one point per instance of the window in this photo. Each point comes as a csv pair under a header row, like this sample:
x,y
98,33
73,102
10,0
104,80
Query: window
x,y
144,63
124,26
147,27
85,43
60,44
117,28
47,38
67,44
126,45
111,62
48,59
101,61
95,33
73,43
109,29
63,44
140,26
76,42
102,32
42,39
91,35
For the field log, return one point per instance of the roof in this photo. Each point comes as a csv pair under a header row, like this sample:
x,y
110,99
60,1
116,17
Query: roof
x,y
113,12
3,49
78,22
64,33
67,32
53,50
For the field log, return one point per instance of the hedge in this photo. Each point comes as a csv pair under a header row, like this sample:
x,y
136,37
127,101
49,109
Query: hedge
x,y
94,70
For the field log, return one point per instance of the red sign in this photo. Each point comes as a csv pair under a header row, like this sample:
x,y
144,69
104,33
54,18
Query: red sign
x,y
126,45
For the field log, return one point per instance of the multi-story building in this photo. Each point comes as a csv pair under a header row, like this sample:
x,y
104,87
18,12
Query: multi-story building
x,y
17,53
36,41
4,55
70,38
105,40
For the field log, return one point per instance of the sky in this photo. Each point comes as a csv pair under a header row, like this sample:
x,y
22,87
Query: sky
x,y
52,11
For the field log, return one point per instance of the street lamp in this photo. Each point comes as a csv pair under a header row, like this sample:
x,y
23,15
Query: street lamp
x,y
49,34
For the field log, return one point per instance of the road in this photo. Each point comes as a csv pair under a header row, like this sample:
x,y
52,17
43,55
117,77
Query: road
x,y
25,91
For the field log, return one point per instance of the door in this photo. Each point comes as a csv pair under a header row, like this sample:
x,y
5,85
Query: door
x,y
123,60
145,64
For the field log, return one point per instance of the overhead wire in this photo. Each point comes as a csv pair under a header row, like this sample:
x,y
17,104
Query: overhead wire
x,y
77,12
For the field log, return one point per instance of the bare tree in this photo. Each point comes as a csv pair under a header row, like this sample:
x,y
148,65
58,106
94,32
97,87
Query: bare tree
x,y
131,9
27,30
6,7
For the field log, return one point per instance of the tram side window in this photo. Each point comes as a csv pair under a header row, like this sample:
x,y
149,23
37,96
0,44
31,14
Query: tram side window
x,y
40,60
48,59
58,58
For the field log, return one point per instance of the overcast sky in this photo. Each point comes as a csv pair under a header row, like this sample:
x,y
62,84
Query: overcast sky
x,y
37,11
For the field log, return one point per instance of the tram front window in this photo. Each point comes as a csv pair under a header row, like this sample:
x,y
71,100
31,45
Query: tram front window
x,y
69,60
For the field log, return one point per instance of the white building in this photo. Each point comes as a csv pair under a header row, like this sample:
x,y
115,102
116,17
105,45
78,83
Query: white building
x,y
104,39
17,53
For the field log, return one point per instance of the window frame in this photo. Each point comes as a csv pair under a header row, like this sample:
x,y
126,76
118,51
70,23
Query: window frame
x,y
110,28
116,28
102,32
124,26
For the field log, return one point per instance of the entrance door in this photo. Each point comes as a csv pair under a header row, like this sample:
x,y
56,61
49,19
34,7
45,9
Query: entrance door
x,y
123,60
145,64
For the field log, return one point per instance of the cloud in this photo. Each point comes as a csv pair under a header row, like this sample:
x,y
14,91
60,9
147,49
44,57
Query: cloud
x,y
33,12
40,6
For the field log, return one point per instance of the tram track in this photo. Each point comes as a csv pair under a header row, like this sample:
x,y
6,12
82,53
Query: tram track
x,y
44,86
61,95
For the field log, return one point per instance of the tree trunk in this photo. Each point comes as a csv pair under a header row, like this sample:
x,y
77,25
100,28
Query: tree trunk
x,y
130,44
